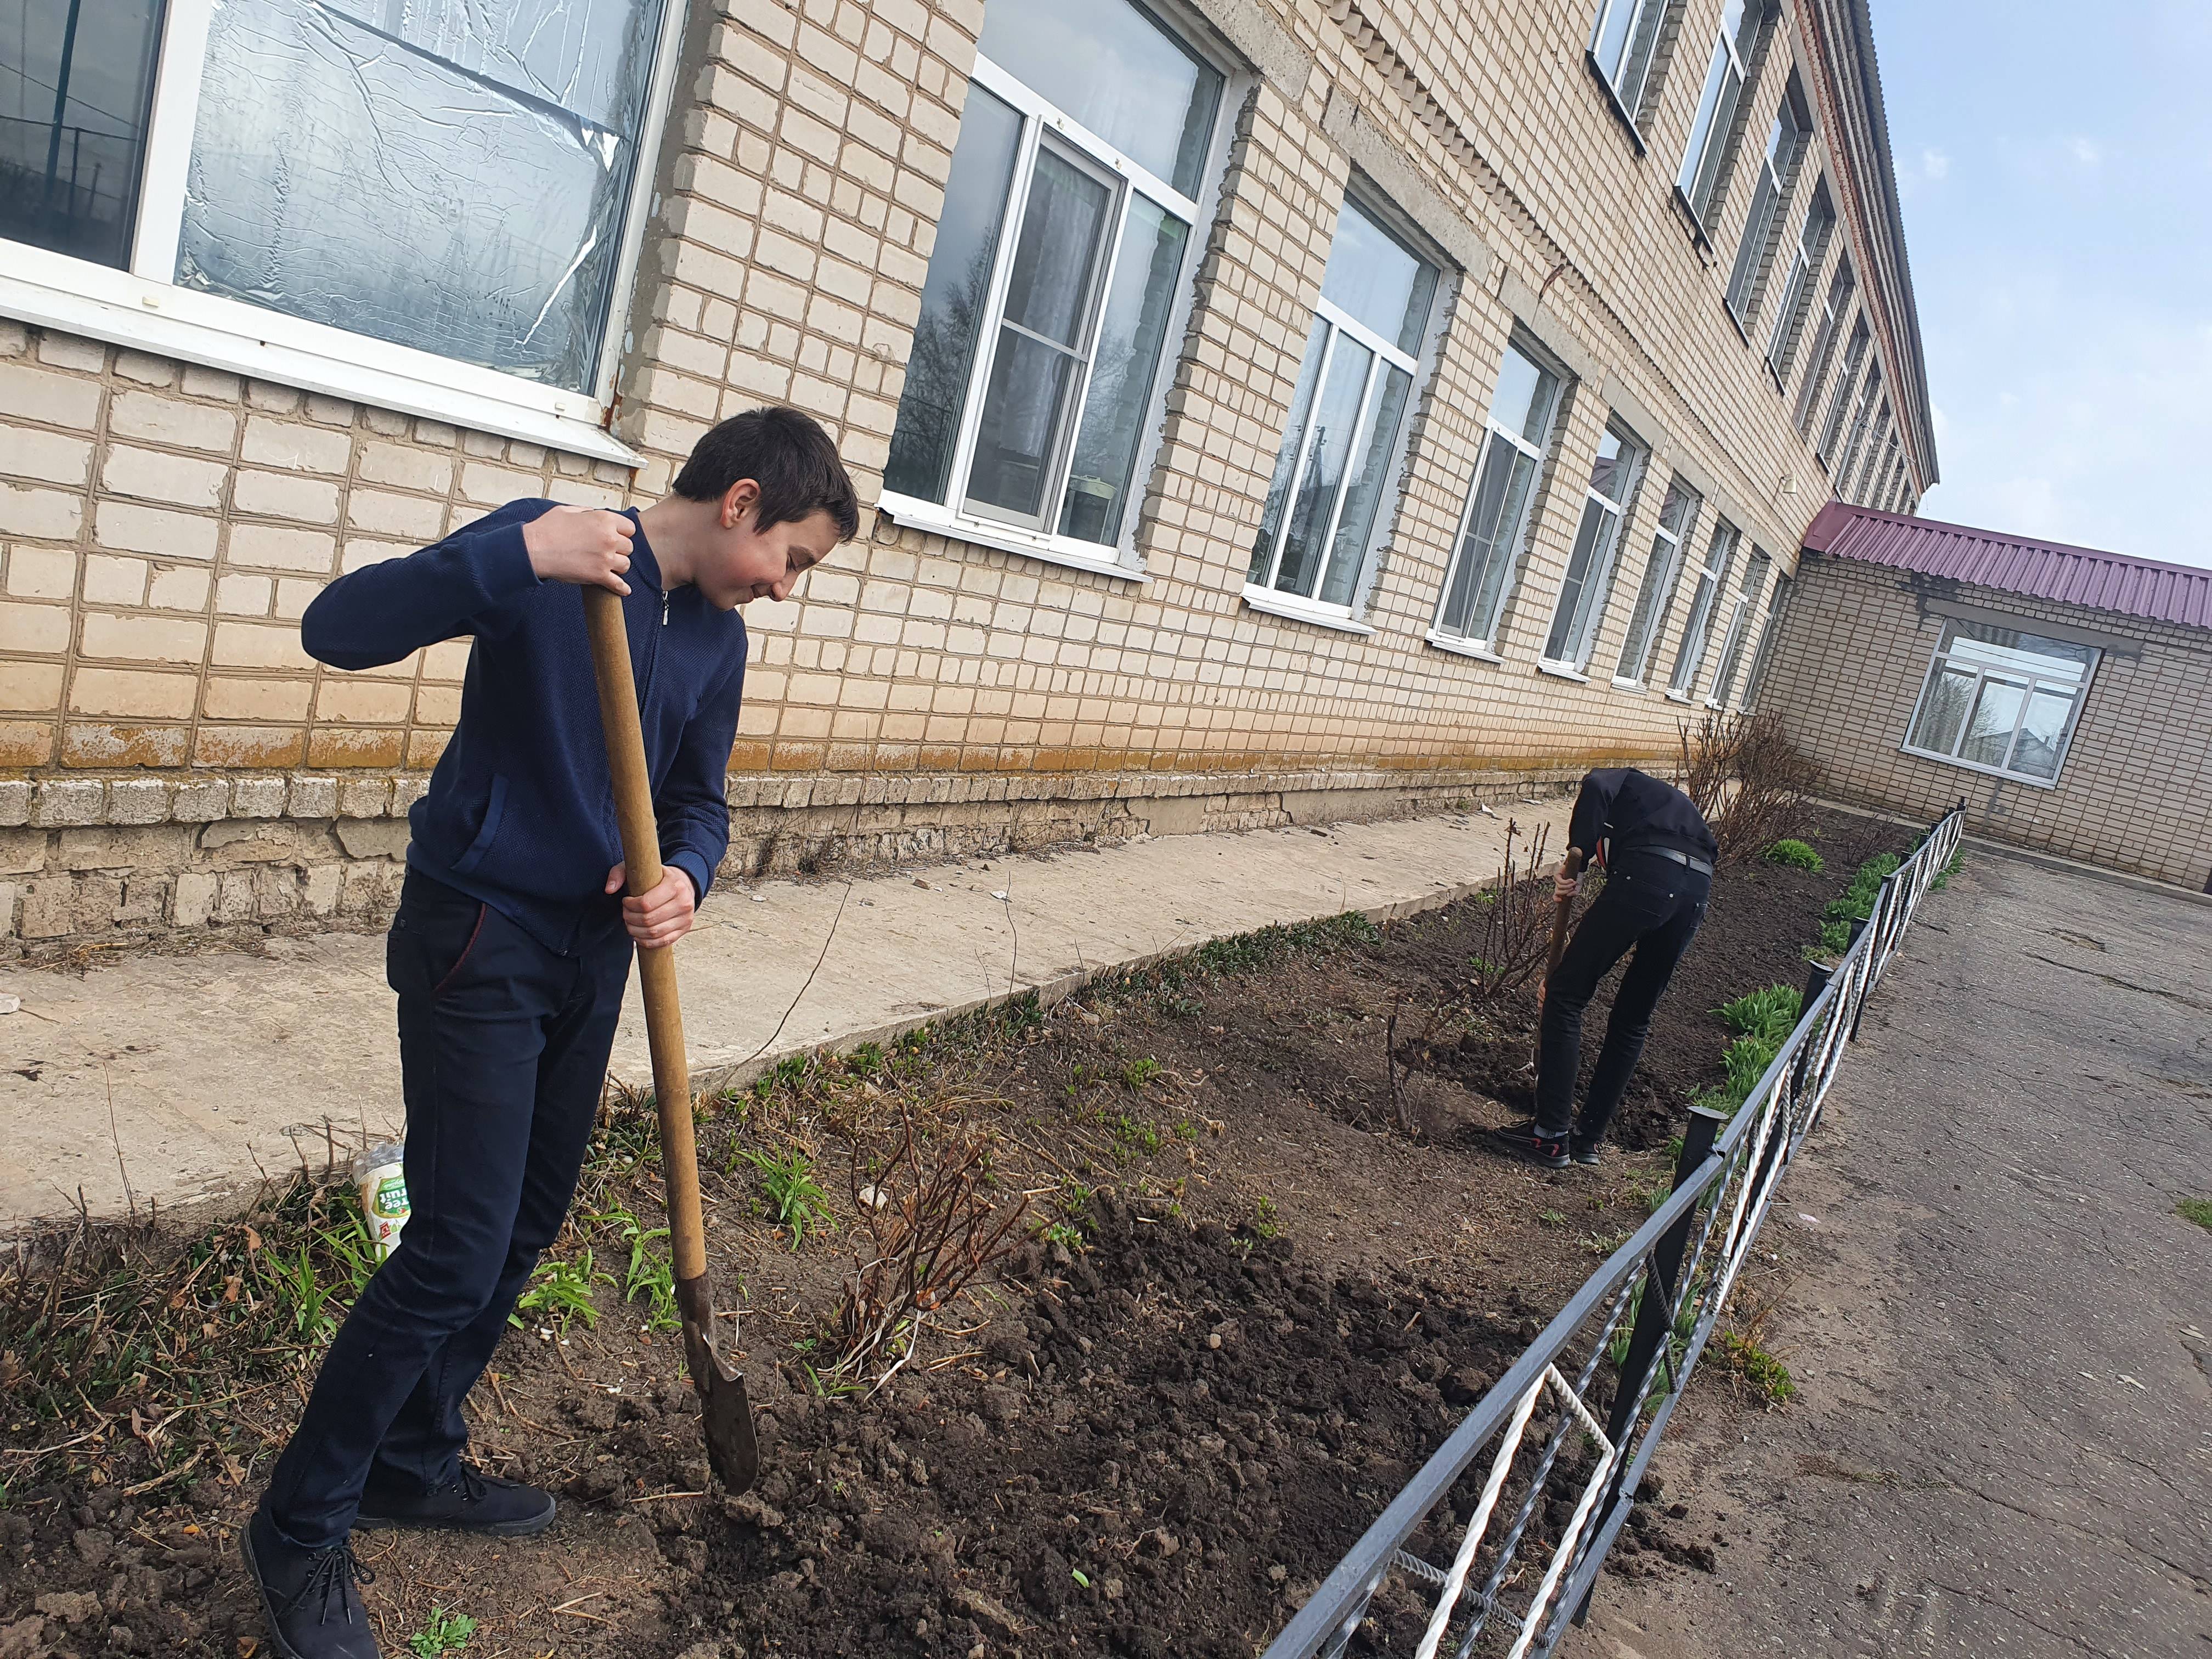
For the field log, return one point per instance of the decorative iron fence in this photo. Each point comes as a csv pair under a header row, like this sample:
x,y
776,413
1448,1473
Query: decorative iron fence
x,y
1560,1445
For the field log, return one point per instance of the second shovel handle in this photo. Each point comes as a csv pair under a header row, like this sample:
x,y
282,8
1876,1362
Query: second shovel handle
x,y
656,964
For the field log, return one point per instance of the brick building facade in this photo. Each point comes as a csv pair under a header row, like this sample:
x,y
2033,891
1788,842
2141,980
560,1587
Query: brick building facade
x,y
1268,410
2065,695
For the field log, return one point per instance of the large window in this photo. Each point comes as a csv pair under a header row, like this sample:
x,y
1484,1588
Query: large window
x,y
1864,414
1340,454
1662,572
1696,633
1715,124
1624,44
1846,384
1833,310
454,182
1761,659
1805,257
1770,203
74,90
1062,253
2001,700
1495,525
1739,630
1615,475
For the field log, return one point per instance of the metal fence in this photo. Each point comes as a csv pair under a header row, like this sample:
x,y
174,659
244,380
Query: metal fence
x,y
1505,1530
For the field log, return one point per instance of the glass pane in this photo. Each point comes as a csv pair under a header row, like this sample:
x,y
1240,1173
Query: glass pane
x,y
1373,277
1701,128
74,84
2010,649
1110,66
1048,294
1378,447
1989,727
1655,597
1752,251
1278,487
1487,550
2043,734
1732,651
1593,543
1613,475
1692,656
1123,368
1335,413
1942,711
455,182
1615,19
1629,83
953,296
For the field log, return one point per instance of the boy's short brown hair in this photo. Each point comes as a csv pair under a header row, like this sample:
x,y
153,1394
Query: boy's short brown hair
x,y
788,455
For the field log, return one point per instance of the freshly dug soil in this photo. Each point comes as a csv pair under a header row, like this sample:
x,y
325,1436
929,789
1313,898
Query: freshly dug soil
x,y
1150,1433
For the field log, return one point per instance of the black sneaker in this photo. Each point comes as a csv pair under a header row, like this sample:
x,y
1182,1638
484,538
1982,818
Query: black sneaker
x,y
471,1501
308,1595
1583,1152
1522,1141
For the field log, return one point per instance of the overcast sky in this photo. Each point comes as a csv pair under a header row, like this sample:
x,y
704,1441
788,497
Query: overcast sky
x,y
2056,165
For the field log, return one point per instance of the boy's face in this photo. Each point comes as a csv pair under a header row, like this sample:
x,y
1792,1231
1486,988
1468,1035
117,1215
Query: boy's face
x,y
744,562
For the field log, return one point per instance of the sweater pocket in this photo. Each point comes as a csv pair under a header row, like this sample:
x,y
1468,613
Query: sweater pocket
x,y
495,810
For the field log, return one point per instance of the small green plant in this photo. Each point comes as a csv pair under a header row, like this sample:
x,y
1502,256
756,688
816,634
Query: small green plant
x,y
1856,902
1770,1015
1137,1072
447,1632
1266,1221
1797,854
1136,1136
2199,1210
560,1293
1766,1376
291,1279
1552,1217
1943,876
795,1197
1066,1234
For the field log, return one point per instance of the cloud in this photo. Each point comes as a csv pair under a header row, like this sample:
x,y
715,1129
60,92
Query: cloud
x,y
1934,164
2085,150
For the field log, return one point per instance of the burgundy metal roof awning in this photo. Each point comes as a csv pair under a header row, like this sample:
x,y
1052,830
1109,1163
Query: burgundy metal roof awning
x,y
2043,570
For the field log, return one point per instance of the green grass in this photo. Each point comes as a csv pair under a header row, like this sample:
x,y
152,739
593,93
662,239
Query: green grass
x,y
1137,1072
1797,854
1766,1376
560,1293
447,1632
795,1198
651,1273
1762,1021
1266,1222
2199,1210
1943,876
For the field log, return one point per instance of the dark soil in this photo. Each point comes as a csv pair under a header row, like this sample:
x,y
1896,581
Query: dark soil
x,y
1155,1442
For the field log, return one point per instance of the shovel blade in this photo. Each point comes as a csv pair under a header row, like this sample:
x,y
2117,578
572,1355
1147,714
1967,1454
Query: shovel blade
x,y
726,1414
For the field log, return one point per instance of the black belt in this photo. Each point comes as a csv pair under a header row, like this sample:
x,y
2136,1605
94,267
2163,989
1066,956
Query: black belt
x,y
1696,864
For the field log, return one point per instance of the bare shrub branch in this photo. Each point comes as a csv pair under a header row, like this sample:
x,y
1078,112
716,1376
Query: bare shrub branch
x,y
1516,936
1752,784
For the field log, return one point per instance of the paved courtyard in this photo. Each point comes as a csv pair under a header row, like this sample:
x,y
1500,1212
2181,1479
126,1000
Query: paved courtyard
x,y
2001,1330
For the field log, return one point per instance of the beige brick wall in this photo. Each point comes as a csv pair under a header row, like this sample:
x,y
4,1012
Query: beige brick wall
x,y
2134,793
163,525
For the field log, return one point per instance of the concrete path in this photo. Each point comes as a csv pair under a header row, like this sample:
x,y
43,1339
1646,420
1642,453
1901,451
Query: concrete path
x,y
2001,1330
181,1074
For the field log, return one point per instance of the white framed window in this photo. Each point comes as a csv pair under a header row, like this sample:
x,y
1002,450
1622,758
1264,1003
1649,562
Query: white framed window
x,y
1493,527
1761,657
1061,269
1341,451
1662,573
1739,630
1805,256
1623,42
1696,633
1833,312
1607,501
1715,122
1847,382
2001,700
1863,415
1881,455
435,206
1786,139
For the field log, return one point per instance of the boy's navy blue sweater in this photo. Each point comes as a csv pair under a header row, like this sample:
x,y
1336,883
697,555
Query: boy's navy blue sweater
x,y
520,811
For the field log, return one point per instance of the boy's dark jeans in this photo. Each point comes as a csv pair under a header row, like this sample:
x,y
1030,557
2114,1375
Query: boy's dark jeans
x,y
1648,903
503,1050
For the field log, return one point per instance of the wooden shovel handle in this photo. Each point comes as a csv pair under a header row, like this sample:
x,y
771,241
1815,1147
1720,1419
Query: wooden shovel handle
x,y
1561,910
656,964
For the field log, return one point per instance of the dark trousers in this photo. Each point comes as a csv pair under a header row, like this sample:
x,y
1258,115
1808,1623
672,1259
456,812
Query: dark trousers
x,y
503,1050
1653,906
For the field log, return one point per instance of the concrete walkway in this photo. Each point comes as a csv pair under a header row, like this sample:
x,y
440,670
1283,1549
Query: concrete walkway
x,y
181,1074
2001,1330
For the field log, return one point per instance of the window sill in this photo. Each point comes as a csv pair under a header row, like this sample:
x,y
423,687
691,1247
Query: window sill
x,y
1682,697
1742,332
1612,103
1561,670
1460,647
917,514
1697,230
1620,684
1292,608
51,290
1986,771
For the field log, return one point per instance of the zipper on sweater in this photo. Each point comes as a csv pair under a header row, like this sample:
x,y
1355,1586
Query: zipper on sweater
x,y
664,609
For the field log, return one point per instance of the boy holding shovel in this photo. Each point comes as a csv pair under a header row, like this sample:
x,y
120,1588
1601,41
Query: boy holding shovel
x,y
510,950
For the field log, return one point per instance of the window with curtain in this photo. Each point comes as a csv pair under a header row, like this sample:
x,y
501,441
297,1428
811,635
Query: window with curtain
x,y
1714,123
1662,573
1770,203
1739,630
1847,384
1608,500
1834,310
1494,525
1064,248
1805,256
1341,451
76,86
2001,700
1696,633
1625,45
